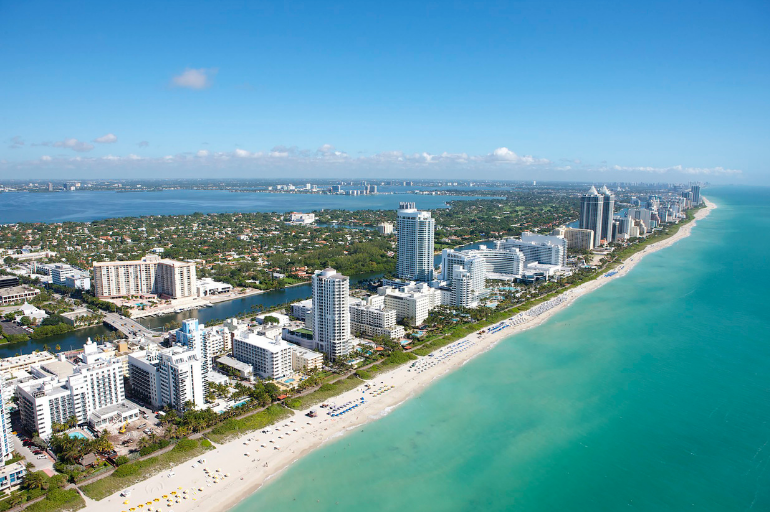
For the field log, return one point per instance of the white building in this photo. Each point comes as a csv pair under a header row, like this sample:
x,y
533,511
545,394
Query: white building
x,y
11,476
194,336
302,218
331,313
10,366
385,228
475,265
413,301
270,357
149,276
300,310
548,249
6,444
415,243
62,390
206,286
35,314
170,376
372,318
463,294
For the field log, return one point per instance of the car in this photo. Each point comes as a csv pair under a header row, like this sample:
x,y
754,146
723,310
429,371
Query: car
x,y
42,456
38,452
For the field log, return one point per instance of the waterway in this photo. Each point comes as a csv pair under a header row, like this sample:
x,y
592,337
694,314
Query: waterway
x,y
649,394
83,206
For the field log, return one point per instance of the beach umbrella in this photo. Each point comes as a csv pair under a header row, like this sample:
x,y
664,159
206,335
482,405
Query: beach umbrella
x,y
156,499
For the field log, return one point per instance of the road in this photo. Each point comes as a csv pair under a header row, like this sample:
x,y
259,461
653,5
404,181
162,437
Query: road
x,y
127,326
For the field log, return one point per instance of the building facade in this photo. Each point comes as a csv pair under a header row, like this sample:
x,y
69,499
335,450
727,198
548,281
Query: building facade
x,y
331,313
270,357
591,213
415,243
149,276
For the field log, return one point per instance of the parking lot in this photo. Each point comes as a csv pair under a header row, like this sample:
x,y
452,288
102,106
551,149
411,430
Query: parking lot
x,y
27,453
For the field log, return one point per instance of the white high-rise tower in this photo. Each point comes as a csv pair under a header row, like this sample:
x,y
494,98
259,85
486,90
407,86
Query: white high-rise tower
x,y
331,313
415,243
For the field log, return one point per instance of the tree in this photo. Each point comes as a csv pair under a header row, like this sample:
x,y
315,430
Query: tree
x,y
58,347
270,319
25,321
35,480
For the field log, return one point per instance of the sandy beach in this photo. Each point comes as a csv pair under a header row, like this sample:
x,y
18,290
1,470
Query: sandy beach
x,y
248,462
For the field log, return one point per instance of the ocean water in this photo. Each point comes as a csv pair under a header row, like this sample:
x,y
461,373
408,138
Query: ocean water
x,y
652,393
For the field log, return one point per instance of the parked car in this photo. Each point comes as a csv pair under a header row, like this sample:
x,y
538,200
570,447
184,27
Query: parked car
x,y
42,456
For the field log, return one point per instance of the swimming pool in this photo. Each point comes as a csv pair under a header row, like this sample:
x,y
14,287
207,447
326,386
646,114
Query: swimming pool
x,y
77,435
289,381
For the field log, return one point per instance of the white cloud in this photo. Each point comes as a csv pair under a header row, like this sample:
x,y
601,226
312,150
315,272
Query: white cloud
x,y
330,161
106,139
506,155
73,144
194,78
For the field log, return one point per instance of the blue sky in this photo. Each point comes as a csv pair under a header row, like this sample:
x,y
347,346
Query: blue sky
x,y
647,91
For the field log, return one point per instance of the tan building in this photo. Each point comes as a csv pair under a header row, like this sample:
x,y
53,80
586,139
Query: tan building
x,y
579,239
149,276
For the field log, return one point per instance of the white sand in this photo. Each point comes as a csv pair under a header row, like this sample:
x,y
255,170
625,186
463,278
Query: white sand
x,y
249,473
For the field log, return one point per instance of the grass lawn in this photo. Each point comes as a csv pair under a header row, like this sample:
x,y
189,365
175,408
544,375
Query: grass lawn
x,y
133,472
325,392
235,427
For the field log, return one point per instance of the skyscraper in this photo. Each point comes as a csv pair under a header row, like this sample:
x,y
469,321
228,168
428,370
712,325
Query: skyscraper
x,y
591,210
695,189
608,214
415,243
331,313
6,444
193,336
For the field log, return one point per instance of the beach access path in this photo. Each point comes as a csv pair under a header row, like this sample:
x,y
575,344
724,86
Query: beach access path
x,y
253,459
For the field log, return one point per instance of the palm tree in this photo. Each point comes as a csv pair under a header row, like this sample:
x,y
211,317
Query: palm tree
x,y
58,347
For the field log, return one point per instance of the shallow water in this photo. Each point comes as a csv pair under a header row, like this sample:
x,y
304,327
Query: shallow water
x,y
653,392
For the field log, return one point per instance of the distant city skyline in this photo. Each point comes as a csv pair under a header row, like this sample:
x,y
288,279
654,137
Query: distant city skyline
x,y
575,92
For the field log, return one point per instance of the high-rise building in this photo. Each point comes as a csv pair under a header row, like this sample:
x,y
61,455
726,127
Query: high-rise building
x,y
608,213
695,189
194,336
6,444
331,313
579,239
150,275
169,376
591,213
415,243
462,288
385,228
475,265
62,390
269,357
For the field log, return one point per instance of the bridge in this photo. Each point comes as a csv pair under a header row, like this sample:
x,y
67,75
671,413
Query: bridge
x,y
130,328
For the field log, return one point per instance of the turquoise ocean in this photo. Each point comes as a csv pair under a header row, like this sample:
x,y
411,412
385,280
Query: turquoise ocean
x,y
652,393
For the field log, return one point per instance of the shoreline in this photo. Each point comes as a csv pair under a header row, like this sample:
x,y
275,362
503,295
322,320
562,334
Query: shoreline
x,y
270,454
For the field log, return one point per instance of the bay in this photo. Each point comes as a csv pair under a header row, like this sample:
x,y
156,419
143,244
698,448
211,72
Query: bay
x,y
652,393
85,206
